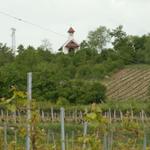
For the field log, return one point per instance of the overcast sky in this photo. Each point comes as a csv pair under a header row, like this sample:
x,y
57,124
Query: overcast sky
x,y
82,15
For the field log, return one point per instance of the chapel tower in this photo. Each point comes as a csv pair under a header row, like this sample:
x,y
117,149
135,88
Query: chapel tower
x,y
70,45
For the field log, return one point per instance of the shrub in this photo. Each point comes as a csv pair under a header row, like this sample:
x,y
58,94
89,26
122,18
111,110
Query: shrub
x,y
62,101
94,93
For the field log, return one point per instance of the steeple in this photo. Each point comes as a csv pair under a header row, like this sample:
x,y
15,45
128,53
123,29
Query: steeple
x,y
71,30
71,33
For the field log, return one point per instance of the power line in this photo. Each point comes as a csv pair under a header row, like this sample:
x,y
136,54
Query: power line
x,y
30,23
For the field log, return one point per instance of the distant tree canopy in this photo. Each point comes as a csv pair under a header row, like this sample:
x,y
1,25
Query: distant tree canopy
x,y
73,78
46,45
98,39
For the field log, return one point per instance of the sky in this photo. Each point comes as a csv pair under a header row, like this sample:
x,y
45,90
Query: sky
x,y
59,15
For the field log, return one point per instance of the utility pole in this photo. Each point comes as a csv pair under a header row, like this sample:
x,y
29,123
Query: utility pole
x,y
13,36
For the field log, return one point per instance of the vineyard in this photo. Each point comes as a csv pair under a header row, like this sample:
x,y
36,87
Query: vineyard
x,y
129,83
89,129
26,124
63,93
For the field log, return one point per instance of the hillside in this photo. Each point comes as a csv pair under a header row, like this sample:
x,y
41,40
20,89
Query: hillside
x,y
129,83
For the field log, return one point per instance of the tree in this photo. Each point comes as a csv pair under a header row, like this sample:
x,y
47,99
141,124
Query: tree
x,y
21,49
118,34
46,45
84,45
95,93
123,45
6,54
82,92
99,38
138,44
28,59
147,49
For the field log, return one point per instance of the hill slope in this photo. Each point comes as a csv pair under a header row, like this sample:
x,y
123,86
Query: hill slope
x,y
130,83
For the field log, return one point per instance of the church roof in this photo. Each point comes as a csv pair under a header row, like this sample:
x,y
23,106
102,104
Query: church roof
x,y
71,30
72,44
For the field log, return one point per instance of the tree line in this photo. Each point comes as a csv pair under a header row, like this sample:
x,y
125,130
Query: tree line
x,y
76,77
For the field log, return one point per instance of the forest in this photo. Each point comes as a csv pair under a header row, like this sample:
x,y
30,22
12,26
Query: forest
x,y
74,78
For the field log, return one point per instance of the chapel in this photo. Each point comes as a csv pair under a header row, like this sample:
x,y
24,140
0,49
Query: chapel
x,y
70,46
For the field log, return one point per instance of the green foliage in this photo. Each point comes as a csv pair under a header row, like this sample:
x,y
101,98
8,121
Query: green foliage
x,y
95,92
124,134
6,55
62,101
16,102
72,76
82,92
99,38
127,133
119,35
